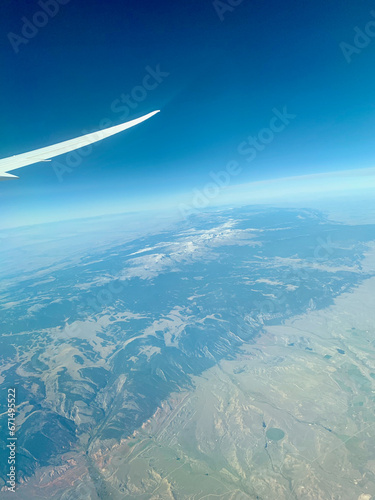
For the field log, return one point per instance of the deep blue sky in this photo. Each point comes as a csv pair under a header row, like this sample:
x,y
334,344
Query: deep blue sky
x,y
224,79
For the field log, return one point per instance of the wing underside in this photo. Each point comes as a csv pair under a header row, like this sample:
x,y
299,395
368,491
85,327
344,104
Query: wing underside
x,y
14,162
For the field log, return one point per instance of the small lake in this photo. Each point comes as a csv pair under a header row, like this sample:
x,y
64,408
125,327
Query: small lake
x,y
275,434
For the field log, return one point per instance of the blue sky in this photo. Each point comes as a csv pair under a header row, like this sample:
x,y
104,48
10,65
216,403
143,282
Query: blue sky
x,y
219,73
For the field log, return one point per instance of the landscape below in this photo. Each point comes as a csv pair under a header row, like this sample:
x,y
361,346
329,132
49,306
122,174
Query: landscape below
x,y
228,355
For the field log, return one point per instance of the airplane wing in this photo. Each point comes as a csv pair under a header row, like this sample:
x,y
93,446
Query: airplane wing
x,y
45,154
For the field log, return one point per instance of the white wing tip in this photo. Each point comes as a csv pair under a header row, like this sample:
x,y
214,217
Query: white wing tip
x,y
6,177
45,154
